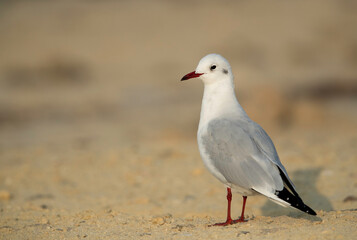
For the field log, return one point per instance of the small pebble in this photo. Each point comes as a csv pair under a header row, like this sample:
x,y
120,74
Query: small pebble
x,y
44,206
44,221
242,233
158,220
350,199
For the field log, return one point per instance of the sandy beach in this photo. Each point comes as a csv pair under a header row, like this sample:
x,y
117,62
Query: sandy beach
x,y
98,134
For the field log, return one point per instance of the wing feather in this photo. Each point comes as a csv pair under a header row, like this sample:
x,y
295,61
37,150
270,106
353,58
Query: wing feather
x,y
241,158
266,146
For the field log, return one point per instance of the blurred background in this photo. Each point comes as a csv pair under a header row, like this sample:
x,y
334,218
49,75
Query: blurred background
x,y
93,113
85,62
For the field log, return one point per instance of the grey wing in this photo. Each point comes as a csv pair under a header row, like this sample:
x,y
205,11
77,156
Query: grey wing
x,y
239,158
266,146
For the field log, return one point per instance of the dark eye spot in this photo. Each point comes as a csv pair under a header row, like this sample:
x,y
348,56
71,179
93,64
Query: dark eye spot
x,y
225,71
213,67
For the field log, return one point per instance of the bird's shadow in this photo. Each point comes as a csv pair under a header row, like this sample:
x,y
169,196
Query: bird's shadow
x,y
305,182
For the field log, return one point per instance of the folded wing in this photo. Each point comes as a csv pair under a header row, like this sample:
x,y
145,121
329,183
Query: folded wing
x,y
245,155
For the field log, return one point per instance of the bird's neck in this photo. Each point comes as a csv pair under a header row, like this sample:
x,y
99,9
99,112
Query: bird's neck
x,y
219,100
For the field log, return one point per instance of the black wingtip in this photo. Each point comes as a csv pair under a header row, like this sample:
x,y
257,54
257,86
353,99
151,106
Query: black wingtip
x,y
293,197
310,211
294,201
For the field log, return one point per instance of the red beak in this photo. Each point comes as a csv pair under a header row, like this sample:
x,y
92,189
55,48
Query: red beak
x,y
191,75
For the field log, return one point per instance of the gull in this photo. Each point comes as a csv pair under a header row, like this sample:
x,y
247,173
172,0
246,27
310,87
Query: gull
x,y
235,149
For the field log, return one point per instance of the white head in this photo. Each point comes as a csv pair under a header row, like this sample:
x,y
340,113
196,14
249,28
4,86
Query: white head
x,y
211,69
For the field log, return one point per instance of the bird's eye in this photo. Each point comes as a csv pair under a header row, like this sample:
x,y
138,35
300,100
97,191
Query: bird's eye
x,y
213,67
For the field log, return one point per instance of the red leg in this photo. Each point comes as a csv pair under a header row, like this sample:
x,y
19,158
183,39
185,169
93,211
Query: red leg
x,y
241,219
229,219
